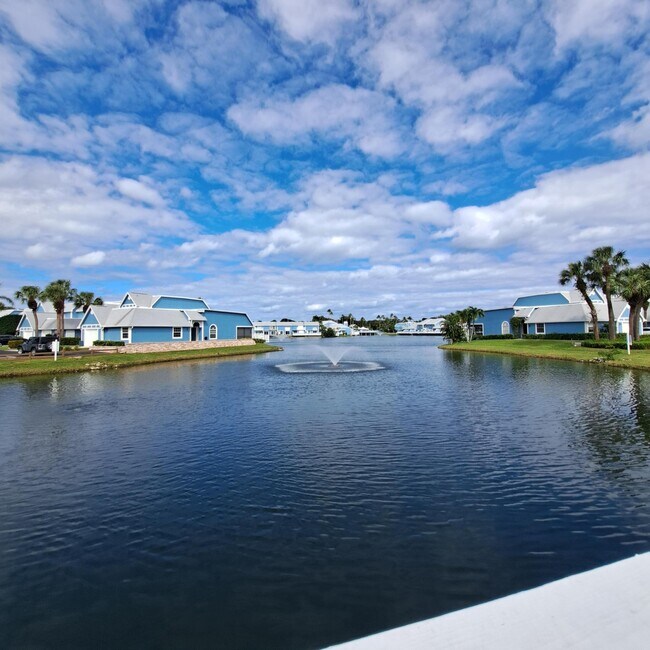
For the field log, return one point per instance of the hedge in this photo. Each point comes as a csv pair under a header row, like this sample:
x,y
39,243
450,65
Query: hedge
x,y
581,336
617,345
70,340
14,344
490,337
111,343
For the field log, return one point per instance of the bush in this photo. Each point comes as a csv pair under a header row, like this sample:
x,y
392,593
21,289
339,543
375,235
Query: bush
x,y
14,344
110,343
616,345
9,324
70,340
490,337
579,336
259,341
328,333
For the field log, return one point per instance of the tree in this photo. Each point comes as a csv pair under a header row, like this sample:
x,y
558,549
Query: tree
x,y
453,327
468,316
603,265
30,294
517,323
578,274
85,299
58,293
633,284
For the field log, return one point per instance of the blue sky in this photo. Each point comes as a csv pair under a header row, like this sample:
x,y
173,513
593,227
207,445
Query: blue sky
x,y
286,156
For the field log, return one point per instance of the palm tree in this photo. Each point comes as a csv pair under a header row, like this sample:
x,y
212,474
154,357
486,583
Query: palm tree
x,y
578,274
633,284
453,327
468,316
85,299
58,292
30,294
602,266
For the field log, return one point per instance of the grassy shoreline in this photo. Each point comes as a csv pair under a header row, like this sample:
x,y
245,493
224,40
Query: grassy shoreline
x,y
558,350
106,361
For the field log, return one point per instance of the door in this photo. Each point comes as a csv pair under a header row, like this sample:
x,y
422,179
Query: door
x,y
195,332
89,337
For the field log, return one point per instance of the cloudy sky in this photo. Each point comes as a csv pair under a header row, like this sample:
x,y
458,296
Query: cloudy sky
x,y
286,156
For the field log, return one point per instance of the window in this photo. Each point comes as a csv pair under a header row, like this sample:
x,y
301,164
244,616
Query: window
x,y
540,328
244,332
505,327
213,331
177,332
125,333
478,329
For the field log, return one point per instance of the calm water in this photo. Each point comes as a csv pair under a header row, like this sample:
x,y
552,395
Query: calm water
x,y
229,505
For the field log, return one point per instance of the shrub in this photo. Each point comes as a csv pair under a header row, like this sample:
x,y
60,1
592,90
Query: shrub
x,y
70,340
109,343
490,337
9,324
259,341
14,344
617,345
328,333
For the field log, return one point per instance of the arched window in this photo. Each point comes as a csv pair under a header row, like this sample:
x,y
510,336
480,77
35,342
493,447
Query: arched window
x,y
213,331
505,327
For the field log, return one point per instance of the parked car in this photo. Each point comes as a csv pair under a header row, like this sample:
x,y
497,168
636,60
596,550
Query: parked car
x,y
5,338
37,344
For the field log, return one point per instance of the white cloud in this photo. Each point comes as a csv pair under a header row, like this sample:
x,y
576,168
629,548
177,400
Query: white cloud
x,y
71,208
363,117
568,210
138,191
310,20
586,22
94,258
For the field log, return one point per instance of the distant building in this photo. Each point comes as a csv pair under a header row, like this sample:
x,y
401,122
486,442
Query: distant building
x,y
426,327
273,329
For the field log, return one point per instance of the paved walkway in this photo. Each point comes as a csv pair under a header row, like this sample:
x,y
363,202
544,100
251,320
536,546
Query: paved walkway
x,y
604,609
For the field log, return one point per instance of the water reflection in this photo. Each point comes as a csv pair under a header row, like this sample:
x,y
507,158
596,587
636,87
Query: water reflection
x,y
220,504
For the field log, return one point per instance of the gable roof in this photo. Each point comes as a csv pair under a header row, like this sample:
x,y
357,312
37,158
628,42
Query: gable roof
x,y
139,299
101,313
145,317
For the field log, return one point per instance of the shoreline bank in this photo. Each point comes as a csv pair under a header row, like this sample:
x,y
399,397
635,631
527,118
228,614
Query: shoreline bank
x,y
556,350
69,364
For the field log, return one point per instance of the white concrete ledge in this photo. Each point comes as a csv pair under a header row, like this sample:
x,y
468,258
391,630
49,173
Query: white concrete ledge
x,y
606,608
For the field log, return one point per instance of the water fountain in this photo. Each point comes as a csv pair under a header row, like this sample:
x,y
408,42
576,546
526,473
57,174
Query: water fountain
x,y
333,365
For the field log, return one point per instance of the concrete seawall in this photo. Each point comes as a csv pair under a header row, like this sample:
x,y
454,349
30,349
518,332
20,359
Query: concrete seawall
x,y
602,609
178,346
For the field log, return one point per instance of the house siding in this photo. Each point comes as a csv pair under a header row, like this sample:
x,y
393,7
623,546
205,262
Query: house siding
x,y
493,319
157,335
226,323
89,319
166,302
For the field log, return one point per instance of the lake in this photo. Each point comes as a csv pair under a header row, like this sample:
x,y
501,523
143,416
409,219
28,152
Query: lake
x,y
226,504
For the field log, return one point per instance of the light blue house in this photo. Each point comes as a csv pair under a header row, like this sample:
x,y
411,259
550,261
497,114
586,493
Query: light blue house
x,y
275,329
144,318
47,321
560,312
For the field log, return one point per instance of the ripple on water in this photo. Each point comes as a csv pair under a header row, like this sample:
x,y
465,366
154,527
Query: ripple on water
x,y
219,504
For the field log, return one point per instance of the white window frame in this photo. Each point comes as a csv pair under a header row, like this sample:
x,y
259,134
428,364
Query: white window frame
x,y
478,329
180,332
128,334
505,328
537,326
215,329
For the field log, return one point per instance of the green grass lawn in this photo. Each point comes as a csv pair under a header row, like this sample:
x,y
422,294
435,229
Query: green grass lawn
x,y
564,350
107,361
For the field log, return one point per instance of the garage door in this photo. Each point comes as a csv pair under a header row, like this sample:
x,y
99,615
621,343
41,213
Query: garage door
x,y
89,336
